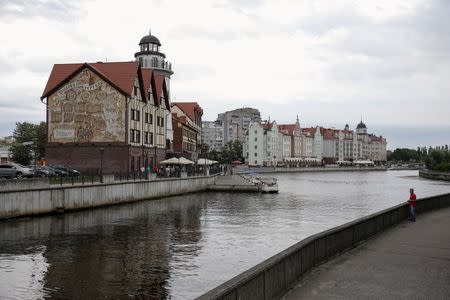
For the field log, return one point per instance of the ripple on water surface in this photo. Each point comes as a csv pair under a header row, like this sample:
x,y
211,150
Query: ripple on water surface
x,y
182,246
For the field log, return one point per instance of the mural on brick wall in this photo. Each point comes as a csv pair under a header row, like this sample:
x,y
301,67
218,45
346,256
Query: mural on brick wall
x,y
86,109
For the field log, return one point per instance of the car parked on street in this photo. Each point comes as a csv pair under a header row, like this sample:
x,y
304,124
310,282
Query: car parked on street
x,y
8,171
43,171
67,170
14,170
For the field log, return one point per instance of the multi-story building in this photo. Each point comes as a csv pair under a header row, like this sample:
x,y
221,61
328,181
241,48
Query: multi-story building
x,y
212,135
295,133
333,145
189,114
108,117
288,142
236,123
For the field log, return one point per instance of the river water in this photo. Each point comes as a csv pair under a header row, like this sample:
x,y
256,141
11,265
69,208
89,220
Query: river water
x,y
181,247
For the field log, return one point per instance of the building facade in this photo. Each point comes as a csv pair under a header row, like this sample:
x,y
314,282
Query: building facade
x,y
269,144
236,123
106,117
188,119
212,135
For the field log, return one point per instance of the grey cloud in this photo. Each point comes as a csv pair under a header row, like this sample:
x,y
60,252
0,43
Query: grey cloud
x,y
51,9
202,33
192,72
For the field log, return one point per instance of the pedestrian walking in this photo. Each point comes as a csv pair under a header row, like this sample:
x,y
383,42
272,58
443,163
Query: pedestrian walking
x,y
412,205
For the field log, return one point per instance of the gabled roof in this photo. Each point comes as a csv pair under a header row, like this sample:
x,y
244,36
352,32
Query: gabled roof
x,y
267,126
160,89
289,128
311,131
147,81
189,108
121,75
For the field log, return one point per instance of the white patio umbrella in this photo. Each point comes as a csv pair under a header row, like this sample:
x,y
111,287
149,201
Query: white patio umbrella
x,y
185,161
206,162
171,161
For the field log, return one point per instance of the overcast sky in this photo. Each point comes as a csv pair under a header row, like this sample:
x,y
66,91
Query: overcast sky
x,y
330,62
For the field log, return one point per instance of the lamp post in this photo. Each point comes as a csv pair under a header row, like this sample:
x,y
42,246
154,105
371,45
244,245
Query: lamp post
x,y
143,158
101,164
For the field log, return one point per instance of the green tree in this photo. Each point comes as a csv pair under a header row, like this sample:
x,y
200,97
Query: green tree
x,y
405,155
438,160
28,132
20,154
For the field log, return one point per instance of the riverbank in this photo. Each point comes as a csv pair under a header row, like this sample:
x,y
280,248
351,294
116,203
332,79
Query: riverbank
x,y
241,170
55,199
434,175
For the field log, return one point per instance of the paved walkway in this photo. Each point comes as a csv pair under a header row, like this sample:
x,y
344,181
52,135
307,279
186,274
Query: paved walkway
x,y
409,261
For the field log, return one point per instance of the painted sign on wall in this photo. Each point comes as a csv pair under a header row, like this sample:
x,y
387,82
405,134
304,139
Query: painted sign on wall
x,y
87,109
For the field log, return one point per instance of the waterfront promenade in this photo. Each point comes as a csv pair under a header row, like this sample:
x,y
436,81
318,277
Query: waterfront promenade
x,y
409,261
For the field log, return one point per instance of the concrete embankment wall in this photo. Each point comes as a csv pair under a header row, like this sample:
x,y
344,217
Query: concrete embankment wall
x,y
35,201
24,184
434,175
306,169
272,278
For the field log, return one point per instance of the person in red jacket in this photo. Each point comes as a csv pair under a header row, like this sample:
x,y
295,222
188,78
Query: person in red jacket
x,y
412,205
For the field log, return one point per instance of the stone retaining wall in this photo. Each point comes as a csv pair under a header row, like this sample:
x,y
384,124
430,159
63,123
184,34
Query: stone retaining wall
x,y
272,278
35,201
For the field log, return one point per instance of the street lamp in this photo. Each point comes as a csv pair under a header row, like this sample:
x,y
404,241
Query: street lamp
x,y
101,164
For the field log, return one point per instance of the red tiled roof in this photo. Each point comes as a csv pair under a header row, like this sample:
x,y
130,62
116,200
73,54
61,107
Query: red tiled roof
x,y
189,108
59,73
267,126
373,137
119,74
289,128
329,133
147,79
159,82
310,130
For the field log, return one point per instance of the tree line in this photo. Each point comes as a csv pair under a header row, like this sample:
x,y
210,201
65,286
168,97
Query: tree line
x,y
232,151
435,158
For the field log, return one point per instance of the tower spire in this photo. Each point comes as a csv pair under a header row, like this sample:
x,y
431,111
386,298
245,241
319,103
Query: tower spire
x,y
297,119
149,31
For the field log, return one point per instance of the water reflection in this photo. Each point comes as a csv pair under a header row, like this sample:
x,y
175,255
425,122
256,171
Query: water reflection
x,y
180,247
113,252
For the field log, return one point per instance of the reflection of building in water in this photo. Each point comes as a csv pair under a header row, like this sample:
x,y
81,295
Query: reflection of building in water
x,y
117,252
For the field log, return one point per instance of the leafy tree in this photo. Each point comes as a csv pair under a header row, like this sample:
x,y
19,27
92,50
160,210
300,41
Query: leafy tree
x,y
405,155
230,152
438,160
28,132
20,154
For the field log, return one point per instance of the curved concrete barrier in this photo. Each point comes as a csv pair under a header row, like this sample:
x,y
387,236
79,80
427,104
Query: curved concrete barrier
x,y
434,175
272,278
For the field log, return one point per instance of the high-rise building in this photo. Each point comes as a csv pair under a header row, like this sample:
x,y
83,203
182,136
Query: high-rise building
x,y
212,135
236,122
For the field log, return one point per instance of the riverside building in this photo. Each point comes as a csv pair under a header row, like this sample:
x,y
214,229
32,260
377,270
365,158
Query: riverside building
x,y
110,116
269,144
187,125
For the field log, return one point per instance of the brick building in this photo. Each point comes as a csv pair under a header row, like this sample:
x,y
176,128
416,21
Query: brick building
x,y
187,127
112,116
105,116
